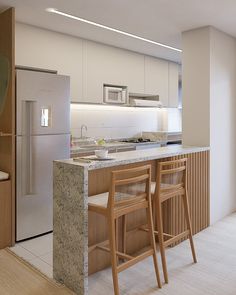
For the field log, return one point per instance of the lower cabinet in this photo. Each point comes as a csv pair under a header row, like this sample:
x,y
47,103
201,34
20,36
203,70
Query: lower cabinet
x,y
125,149
148,146
5,214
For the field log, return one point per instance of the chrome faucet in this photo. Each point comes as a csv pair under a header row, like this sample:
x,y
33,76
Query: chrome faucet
x,y
81,130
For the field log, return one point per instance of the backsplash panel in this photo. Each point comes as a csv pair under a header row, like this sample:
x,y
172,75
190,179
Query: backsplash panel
x,y
174,120
113,122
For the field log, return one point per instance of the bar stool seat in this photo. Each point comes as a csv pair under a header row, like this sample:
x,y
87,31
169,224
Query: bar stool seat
x,y
101,200
129,192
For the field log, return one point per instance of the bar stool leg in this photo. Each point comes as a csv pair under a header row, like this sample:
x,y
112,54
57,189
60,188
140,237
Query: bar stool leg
x,y
117,238
112,240
161,238
124,233
189,226
153,244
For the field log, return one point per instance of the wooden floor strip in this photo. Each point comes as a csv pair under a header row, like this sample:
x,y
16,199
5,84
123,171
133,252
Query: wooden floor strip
x,y
18,277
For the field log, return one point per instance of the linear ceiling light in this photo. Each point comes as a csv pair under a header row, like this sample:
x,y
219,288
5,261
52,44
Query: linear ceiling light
x,y
53,10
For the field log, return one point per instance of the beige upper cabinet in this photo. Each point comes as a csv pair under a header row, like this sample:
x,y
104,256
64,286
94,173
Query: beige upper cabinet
x,y
156,78
60,52
109,65
173,85
161,77
93,72
134,72
103,64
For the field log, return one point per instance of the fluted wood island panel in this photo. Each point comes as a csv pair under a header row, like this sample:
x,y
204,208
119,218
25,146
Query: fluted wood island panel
x,y
173,214
75,229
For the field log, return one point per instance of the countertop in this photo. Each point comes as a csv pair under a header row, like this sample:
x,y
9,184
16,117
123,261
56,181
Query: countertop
x,y
129,157
111,145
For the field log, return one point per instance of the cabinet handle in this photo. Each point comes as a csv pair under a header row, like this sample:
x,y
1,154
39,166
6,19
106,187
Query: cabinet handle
x,y
29,187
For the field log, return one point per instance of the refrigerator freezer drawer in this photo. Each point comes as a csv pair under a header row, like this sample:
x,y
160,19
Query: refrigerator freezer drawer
x,y
35,181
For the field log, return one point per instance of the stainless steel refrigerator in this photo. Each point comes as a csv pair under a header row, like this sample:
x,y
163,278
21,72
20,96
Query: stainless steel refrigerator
x,y
42,135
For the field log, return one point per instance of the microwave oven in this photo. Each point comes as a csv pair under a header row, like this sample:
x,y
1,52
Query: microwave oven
x,y
115,94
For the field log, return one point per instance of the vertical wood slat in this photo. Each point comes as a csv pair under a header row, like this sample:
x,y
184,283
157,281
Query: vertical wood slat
x,y
7,123
198,191
5,213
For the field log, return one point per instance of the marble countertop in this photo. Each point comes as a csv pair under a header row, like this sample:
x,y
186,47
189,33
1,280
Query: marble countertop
x,y
129,157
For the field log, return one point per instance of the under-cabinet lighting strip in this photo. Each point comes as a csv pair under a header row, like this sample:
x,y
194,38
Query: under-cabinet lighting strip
x,y
56,11
103,107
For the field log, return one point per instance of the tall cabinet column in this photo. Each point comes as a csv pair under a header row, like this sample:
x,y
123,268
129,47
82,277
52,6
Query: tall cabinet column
x,y
7,129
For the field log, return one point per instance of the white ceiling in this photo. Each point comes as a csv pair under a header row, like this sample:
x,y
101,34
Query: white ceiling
x,y
158,20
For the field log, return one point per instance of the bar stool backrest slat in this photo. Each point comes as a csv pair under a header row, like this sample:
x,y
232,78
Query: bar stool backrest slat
x,y
129,186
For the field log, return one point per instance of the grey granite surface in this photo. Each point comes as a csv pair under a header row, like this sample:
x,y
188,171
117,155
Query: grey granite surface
x,y
139,156
70,211
70,226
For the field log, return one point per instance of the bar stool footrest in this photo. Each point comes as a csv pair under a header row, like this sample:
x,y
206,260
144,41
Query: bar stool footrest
x,y
134,260
144,228
119,254
95,246
176,238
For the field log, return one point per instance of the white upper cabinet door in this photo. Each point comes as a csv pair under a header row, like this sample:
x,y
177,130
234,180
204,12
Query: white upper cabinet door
x,y
133,71
59,52
93,72
109,65
173,85
156,78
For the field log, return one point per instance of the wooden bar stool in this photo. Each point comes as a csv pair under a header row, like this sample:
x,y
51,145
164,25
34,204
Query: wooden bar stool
x,y
130,190
171,181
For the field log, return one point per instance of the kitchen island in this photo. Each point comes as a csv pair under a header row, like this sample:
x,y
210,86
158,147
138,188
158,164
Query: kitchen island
x,y
75,230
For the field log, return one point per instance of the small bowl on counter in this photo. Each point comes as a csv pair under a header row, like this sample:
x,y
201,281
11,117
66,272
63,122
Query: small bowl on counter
x,y
101,153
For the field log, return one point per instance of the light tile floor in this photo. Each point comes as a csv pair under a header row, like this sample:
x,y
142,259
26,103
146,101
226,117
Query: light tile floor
x,y
214,274
38,252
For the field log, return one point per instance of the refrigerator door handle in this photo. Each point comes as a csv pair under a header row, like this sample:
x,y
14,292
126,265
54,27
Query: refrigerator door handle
x,y
29,187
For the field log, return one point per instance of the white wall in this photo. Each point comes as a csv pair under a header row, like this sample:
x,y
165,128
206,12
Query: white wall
x,y
174,120
223,124
113,122
196,87
209,104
